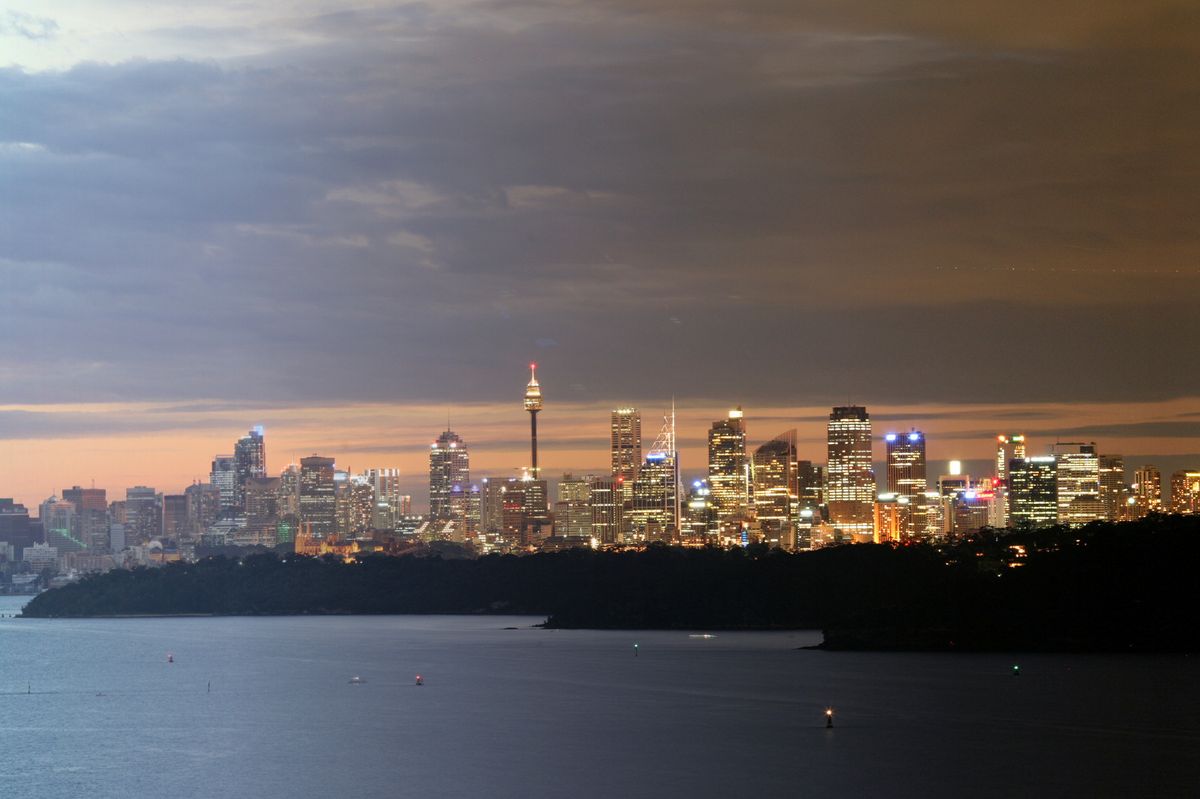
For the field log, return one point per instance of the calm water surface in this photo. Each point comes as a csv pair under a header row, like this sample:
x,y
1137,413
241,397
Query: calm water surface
x,y
93,709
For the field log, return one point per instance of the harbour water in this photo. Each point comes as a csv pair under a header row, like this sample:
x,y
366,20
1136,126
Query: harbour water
x,y
264,707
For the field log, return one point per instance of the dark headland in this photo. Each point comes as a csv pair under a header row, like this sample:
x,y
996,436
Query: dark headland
x,y
1128,587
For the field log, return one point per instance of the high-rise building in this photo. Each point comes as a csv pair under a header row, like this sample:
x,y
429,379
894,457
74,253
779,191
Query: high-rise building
x,y
728,469
355,506
849,479
1033,491
906,464
389,498
250,460
1147,490
1185,491
449,466
626,443
143,515
58,525
318,498
203,508
700,522
289,491
1010,446
224,476
15,527
776,500
607,502
573,511
91,516
1078,483
1113,489
263,498
533,404
655,512
175,517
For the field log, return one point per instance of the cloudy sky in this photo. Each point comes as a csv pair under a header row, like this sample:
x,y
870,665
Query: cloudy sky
x,y
346,220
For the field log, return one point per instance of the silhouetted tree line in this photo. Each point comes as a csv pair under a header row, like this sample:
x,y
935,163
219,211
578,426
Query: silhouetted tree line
x,y
1112,587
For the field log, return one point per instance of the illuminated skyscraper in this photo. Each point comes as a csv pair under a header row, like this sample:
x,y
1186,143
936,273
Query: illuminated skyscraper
x,y
449,466
175,517
728,469
250,460
224,476
1033,491
1147,488
1078,483
573,511
776,503
850,481
906,464
355,506
626,443
318,498
1113,489
203,507
1185,491
1008,447
533,404
655,514
608,510
390,501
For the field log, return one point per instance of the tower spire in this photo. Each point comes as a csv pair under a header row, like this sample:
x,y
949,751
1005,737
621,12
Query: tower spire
x,y
533,404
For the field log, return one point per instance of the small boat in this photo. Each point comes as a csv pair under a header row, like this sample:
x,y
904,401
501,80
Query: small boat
x,y
705,636
356,680
170,658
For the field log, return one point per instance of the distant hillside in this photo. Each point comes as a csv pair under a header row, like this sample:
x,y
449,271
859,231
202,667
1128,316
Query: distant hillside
x,y
1106,587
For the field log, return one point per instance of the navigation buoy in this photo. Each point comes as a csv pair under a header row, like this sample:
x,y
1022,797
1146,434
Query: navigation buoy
x,y
170,658
635,650
828,718
1016,670
420,681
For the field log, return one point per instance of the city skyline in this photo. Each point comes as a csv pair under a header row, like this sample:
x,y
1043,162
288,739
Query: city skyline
x,y
576,438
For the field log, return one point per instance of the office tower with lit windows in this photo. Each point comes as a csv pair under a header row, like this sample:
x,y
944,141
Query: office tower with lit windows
x,y
449,466
626,443
776,503
1147,490
249,460
849,479
1078,483
1185,491
91,516
1009,446
1033,491
573,510
655,512
906,463
729,469
606,499
1113,488
389,498
289,491
317,496
355,505
701,524
223,475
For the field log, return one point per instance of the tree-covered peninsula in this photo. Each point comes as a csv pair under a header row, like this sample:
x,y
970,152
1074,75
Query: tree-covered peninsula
x,y
1104,587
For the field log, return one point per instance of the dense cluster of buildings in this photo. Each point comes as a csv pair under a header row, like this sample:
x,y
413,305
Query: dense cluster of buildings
x,y
763,494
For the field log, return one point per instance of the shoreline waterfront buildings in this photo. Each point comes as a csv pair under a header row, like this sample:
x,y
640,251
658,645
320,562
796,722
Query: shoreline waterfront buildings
x,y
747,493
